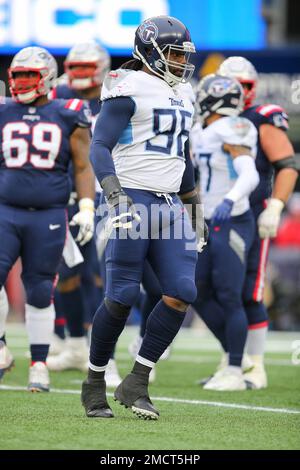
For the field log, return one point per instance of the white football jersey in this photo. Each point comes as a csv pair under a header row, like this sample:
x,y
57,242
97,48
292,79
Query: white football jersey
x,y
150,151
217,173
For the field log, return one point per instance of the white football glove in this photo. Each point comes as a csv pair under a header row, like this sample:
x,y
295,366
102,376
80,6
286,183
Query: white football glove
x,y
269,219
85,219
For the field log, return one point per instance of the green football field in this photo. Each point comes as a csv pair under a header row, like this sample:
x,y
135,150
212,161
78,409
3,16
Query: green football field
x,y
191,418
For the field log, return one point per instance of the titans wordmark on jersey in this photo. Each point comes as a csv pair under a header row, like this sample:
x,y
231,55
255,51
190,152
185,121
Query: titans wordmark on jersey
x,y
217,173
35,151
150,151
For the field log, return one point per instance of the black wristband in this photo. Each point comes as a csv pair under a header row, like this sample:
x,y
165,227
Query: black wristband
x,y
112,188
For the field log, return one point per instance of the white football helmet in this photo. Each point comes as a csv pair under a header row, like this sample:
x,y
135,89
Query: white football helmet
x,y
86,65
43,67
245,72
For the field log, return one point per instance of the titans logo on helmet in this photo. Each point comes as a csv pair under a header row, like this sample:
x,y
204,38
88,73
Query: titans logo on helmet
x,y
147,32
219,88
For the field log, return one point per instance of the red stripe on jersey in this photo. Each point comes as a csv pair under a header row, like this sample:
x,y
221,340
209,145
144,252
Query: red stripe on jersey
x,y
257,326
268,109
79,105
260,279
75,104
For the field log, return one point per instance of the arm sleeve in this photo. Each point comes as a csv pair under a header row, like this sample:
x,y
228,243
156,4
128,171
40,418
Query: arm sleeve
x,y
248,178
188,178
114,117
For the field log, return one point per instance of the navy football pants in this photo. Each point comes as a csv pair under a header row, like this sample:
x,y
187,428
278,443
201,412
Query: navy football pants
x,y
255,277
220,276
38,237
166,250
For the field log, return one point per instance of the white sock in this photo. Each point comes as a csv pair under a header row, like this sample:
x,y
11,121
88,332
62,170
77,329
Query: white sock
x,y
3,311
256,341
39,324
145,362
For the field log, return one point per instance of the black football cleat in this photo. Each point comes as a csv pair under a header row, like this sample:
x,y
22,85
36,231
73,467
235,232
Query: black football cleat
x,y
133,393
93,398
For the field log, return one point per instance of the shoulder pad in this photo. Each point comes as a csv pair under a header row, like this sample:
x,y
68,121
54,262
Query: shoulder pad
x,y
240,126
117,83
187,90
238,131
274,115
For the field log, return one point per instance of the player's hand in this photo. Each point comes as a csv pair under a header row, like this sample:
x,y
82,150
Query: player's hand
x,y
202,237
269,219
122,211
85,219
222,212
199,226
194,208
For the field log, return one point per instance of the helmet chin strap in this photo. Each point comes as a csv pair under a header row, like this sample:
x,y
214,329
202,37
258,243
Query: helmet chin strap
x,y
82,83
27,98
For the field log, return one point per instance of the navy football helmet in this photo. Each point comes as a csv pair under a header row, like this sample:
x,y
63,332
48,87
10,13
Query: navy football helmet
x,y
157,41
219,94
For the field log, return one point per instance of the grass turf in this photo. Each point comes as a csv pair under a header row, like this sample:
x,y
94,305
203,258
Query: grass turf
x,y
57,420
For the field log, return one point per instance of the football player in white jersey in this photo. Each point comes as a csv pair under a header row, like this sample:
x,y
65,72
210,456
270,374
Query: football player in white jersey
x,y
224,148
141,159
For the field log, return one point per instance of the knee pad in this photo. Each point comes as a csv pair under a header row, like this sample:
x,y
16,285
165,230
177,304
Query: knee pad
x,y
39,294
116,309
125,294
186,290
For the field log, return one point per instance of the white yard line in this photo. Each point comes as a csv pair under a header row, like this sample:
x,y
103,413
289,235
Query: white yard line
x,y
177,400
19,352
188,339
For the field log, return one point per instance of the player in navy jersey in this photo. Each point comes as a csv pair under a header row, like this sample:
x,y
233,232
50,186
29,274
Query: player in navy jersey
x,y
39,140
276,165
140,155
79,290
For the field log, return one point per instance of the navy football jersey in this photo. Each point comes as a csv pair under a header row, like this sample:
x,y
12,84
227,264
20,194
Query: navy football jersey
x,y
265,114
64,91
35,151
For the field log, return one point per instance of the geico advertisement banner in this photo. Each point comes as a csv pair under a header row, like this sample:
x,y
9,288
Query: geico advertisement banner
x,y
58,24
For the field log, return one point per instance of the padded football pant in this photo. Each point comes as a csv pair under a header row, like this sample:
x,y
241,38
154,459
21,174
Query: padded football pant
x,y
255,277
172,258
38,237
220,275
